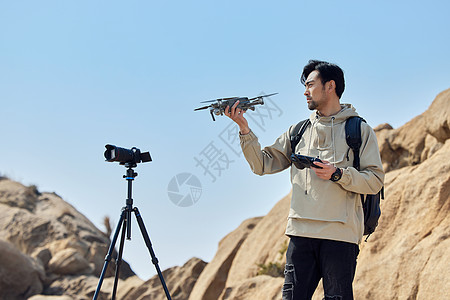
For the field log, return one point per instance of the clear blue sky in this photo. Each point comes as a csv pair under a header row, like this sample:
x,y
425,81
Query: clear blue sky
x,y
76,75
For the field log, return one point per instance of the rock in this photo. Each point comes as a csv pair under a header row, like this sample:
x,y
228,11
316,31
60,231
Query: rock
x,y
213,278
20,277
384,126
83,287
53,223
437,117
418,139
408,256
265,244
43,255
78,287
179,281
404,146
16,195
69,262
260,287
43,297
255,242
127,286
57,243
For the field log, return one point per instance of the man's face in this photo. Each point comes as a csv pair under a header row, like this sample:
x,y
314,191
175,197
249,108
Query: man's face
x,y
314,91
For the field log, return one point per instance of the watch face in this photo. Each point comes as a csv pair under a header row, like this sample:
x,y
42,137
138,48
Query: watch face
x,y
336,175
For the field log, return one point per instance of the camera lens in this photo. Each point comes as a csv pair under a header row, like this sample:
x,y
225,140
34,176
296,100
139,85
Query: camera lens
x,y
114,153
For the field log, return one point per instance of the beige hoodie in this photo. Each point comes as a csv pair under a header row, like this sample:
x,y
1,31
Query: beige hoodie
x,y
322,208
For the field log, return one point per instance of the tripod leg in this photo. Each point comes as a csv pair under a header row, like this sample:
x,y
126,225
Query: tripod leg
x,y
119,255
150,249
108,256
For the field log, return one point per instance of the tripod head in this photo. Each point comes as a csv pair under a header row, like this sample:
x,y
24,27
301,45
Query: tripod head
x,y
130,172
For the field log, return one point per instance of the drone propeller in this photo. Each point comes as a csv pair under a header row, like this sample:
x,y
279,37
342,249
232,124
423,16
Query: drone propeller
x,y
262,96
200,108
221,99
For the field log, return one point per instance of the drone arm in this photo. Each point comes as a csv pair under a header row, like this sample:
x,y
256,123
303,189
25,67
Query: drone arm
x,y
247,105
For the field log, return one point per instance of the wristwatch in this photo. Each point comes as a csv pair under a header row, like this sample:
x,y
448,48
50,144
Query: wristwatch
x,y
336,175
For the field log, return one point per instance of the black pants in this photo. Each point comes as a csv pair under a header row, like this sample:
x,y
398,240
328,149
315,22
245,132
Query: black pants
x,y
308,260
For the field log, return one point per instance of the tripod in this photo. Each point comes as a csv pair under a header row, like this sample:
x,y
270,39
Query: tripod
x,y
125,223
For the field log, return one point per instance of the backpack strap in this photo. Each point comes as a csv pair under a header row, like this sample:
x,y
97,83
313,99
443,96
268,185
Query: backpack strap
x,y
354,141
353,138
297,133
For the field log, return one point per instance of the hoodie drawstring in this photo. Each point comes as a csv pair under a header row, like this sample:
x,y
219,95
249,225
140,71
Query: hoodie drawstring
x,y
309,147
332,138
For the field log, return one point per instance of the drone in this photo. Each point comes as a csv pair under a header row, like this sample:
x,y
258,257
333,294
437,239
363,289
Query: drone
x,y
218,108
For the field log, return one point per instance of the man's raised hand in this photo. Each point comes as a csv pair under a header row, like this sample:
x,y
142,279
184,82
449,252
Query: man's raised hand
x,y
237,115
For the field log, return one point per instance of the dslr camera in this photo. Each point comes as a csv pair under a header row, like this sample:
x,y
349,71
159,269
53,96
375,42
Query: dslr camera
x,y
124,156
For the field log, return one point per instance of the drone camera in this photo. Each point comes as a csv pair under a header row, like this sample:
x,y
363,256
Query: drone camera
x,y
259,101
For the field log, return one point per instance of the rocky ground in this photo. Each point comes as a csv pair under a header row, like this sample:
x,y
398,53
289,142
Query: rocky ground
x,y
51,251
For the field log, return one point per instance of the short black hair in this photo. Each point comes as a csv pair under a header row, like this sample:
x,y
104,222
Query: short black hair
x,y
327,71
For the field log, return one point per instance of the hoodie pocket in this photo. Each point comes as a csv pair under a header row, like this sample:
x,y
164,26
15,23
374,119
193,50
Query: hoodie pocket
x,y
325,201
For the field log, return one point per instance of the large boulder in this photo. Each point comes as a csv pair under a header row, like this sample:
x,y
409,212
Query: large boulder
x,y
83,287
36,222
265,245
408,256
43,297
260,287
214,277
20,276
179,281
437,117
418,139
50,237
242,254
69,262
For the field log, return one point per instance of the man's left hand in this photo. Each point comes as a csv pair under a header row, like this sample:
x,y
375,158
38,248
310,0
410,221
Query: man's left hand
x,y
326,172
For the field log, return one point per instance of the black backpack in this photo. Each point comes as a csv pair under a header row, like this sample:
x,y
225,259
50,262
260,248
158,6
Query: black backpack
x,y
371,204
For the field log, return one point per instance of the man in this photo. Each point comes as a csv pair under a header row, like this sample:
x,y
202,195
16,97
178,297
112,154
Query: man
x,y
325,222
